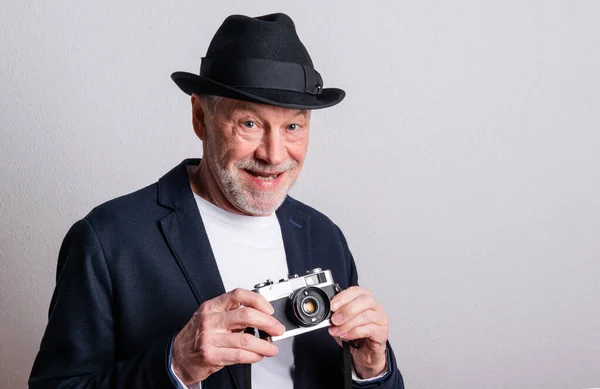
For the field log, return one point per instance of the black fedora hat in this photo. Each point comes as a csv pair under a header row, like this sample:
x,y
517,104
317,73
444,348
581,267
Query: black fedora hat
x,y
261,60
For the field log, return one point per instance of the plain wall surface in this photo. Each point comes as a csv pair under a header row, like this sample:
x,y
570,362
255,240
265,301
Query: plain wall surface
x,y
463,165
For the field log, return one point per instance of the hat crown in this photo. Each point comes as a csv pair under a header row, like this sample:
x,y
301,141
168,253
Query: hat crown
x,y
271,37
262,60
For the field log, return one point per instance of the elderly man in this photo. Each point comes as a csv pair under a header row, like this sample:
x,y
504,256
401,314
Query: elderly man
x,y
153,288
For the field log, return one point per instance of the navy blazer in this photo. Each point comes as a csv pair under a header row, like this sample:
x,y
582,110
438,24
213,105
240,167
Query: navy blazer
x,y
134,270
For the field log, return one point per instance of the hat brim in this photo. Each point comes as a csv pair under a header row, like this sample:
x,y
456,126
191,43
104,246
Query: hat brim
x,y
193,83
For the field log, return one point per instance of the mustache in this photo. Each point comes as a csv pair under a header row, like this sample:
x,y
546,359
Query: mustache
x,y
265,167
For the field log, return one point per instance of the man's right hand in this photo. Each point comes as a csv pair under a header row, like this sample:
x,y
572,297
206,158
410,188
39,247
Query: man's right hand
x,y
213,337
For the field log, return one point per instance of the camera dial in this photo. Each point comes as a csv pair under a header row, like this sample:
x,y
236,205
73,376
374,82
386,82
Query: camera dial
x,y
263,284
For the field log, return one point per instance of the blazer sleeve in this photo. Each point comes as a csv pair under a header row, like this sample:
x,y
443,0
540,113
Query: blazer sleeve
x,y
394,380
78,349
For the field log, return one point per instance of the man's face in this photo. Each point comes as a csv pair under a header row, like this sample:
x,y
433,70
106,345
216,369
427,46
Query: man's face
x,y
253,153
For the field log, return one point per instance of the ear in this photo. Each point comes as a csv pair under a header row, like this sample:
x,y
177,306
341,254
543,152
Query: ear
x,y
198,117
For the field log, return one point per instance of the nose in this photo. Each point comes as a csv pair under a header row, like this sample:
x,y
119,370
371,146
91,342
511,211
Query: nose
x,y
272,149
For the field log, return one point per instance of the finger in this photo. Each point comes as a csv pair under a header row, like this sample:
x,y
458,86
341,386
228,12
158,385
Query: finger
x,y
234,356
370,316
238,297
353,308
249,317
345,296
246,342
373,332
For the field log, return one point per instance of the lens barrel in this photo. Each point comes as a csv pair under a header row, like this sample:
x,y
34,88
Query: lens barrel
x,y
308,306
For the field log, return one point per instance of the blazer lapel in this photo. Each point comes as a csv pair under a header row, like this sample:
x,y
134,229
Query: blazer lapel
x,y
295,230
186,236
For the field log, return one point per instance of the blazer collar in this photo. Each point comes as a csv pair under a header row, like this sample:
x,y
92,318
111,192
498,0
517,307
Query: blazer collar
x,y
185,234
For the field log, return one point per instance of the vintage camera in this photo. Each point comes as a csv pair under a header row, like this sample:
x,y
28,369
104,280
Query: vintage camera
x,y
301,303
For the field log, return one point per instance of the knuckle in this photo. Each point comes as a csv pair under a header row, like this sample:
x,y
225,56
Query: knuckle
x,y
237,293
359,333
366,316
203,309
351,311
204,355
203,341
244,314
368,331
244,340
204,324
369,299
204,348
237,355
273,322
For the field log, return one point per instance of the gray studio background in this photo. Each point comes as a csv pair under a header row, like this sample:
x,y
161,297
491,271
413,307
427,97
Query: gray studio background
x,y
463,165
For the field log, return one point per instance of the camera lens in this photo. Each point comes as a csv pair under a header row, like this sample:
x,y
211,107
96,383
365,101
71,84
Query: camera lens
x,y
308,306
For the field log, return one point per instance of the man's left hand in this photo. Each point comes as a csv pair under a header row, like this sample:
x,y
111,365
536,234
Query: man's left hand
x,y
360,318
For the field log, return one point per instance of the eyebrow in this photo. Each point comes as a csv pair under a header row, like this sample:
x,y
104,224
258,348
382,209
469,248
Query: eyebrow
x,y
303,112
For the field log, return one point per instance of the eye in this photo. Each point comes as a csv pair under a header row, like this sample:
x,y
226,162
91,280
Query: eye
x,y
293,127
249,124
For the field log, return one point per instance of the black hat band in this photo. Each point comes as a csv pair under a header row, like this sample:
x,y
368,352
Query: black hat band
x,y
262,73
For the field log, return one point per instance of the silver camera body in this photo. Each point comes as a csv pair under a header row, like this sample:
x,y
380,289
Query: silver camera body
x,y
301,303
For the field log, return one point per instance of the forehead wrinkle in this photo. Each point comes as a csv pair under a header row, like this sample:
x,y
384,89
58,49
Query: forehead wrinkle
x,y
244,106
241,105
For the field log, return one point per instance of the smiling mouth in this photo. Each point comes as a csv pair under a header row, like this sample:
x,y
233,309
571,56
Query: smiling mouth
x,y
262,176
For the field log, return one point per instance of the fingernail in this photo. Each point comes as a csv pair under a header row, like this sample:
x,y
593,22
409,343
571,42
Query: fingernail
x,y
334,306
271,309
281,328
337,318
334,330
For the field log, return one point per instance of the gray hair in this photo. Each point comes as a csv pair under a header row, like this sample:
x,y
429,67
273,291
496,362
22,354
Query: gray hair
x,y
209,102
